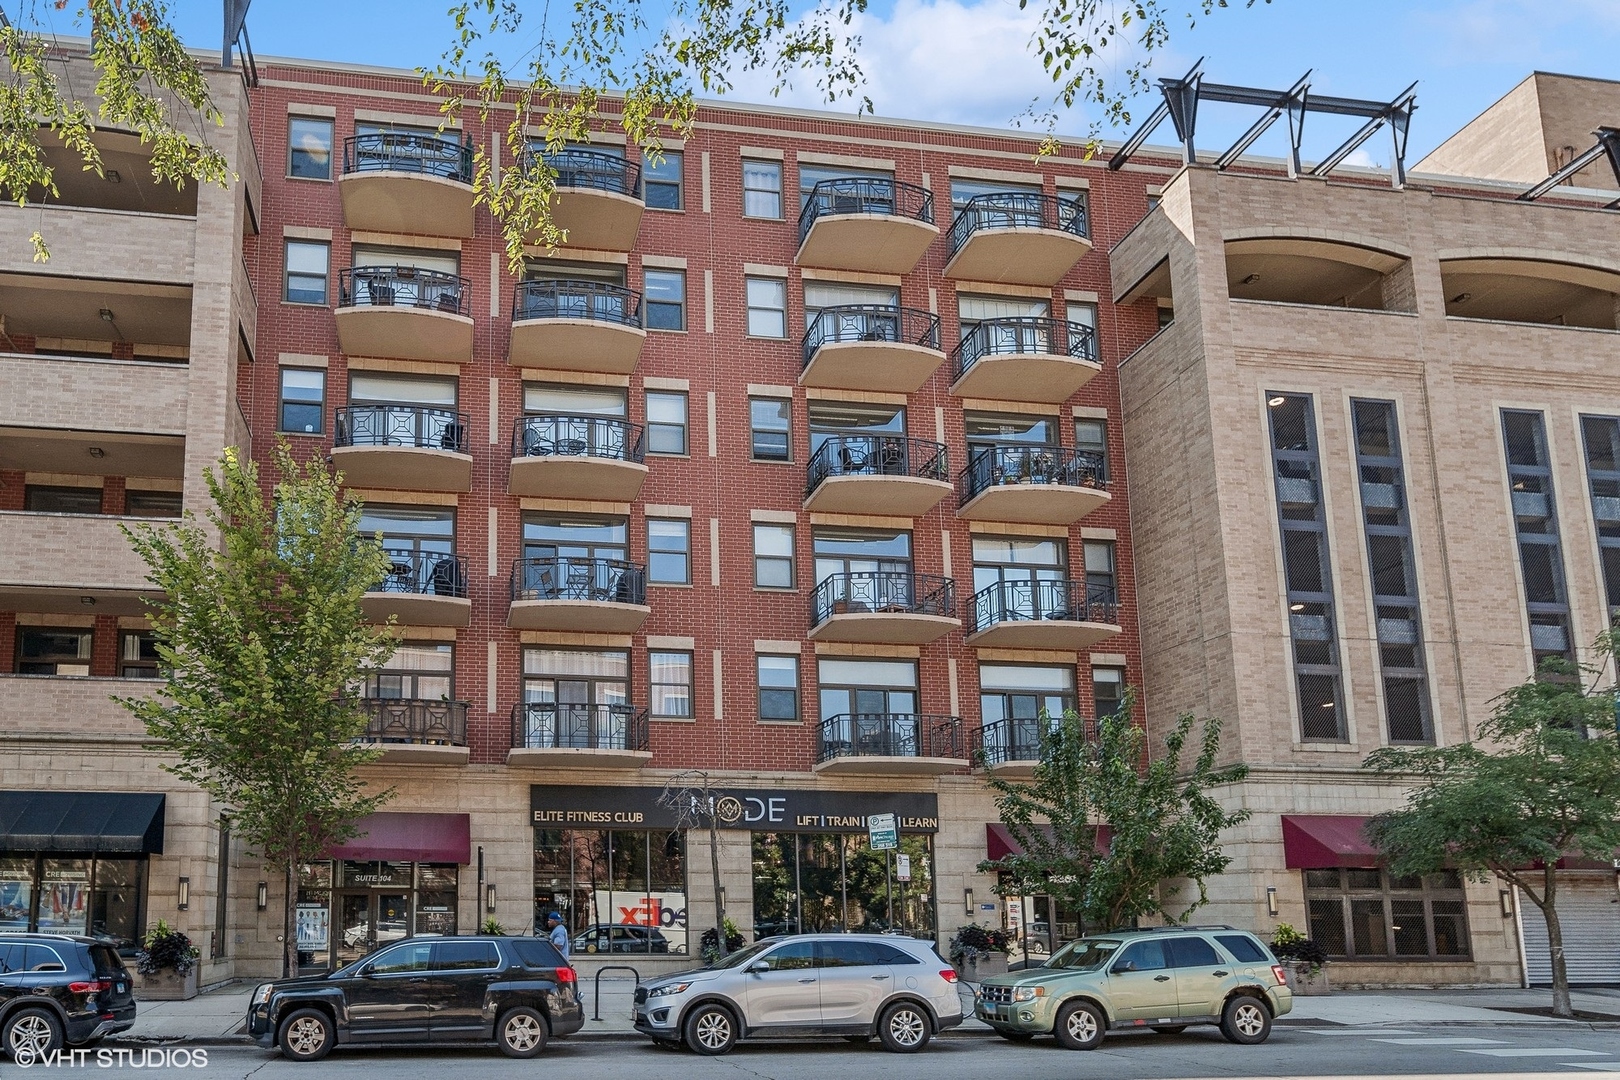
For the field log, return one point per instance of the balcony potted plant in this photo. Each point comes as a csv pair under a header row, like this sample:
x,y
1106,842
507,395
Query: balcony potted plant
x,y
167,964
980,951
1305,959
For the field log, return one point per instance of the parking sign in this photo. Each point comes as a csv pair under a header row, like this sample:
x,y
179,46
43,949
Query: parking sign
x,y
883,832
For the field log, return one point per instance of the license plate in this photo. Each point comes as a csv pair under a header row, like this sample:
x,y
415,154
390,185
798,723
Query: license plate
x,y
118,988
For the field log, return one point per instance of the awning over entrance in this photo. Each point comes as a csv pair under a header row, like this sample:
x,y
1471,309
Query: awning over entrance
x,y
1319,842
400,837
999,841
127,822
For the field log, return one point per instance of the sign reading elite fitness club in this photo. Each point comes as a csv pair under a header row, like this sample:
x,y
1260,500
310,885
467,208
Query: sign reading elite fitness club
x,y
557,806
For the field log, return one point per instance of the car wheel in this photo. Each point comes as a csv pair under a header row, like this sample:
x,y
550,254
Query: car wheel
x,y
1170,1029
1246,1021
31,1035
710,1030
904,1028
1015,1036
1079,1026
306,1035
521,1032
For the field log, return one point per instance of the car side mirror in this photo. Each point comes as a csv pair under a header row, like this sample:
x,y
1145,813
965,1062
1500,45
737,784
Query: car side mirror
x,y
368,972
758,967
1123,966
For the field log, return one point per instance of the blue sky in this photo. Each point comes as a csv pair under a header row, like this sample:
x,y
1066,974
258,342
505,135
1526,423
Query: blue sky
x,y
964,61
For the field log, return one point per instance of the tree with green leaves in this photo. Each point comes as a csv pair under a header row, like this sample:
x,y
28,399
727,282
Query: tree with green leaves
x,y
1539,782
261,640
1162,822
694,798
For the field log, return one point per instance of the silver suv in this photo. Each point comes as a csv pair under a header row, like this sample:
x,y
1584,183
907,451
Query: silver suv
x,y
854,985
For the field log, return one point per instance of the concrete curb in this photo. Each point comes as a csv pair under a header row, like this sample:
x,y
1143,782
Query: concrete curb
x,y
578,1036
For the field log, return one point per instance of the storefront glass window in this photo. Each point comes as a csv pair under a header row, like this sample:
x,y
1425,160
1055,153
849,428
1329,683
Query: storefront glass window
x,y
64,895
436,897
617,891
350,908
115,900
833,882
16,893
1366,914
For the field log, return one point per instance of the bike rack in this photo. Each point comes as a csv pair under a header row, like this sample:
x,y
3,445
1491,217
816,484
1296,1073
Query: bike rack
x,y
598,981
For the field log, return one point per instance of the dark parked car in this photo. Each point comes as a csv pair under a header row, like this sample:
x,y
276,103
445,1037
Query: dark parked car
x,y
57,990
620,938
518,992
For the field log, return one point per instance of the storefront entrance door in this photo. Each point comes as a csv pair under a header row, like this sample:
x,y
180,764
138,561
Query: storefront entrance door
x,y
370,919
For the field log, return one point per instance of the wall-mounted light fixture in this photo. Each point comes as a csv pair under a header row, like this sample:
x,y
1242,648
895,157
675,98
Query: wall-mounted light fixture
x,y
263,897
1271,901
967,900
489,897
185,894
1506,899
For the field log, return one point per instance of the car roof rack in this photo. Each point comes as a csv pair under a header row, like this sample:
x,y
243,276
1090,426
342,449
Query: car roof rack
x,y
43,934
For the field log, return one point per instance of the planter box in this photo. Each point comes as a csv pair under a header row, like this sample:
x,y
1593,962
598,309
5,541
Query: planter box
x,y
1305,984
167,986
976,970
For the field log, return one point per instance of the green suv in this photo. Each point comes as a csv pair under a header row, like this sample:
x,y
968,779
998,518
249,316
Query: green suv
x,y
1164,978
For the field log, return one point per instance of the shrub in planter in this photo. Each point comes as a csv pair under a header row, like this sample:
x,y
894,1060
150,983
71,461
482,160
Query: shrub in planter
x,y
974,941
709,944
166,949
1294,948
492,927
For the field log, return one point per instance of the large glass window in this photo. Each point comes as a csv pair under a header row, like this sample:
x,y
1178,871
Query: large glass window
x,y
303,395
666,423
1601,435
669,551
767,307
103,896
1024,691
671,685
773,557
411,530
762,189
770,428
552,536
153,504
1366,914
419,671
576,558
778,688
865,569
973,310
309,148
575,698
53,650
662,182
539,398
871,687
57,499
307,263
819,295
619,891
834,882
811,175
1535,517
138,655
1019,567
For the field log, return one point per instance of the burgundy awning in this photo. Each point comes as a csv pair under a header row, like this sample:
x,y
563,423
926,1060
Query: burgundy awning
x,y
400,837
1319,842
999,841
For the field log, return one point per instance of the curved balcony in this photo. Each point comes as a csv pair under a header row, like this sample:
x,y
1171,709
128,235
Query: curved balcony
x,y
876,474
1018,237
1061,615
422,588
576,326
416,730
1012,746
402,446
597,199
577,457
1026,358
591,736
402,182
891,744
875,347
404,313
866,223
1033,484
598,596
887,607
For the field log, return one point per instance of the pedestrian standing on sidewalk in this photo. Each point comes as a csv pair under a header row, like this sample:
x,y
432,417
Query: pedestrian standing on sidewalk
x,y
558,933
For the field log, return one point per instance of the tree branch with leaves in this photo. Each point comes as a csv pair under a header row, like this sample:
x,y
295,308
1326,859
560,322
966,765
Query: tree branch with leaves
x,y
694,799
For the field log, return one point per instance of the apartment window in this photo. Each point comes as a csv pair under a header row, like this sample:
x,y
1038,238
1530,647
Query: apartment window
x,y
1083,313
778,688
138,655
767,307
669,551
811,175
418,671
820,295
575,699
1167,315
770,431
665,294
1392,566
1366,914
1306,567
1021,692
303,398
869,568
152,504
1535,517
661,181
1091,439
671,684
1107,691
309,148
1101,577
62,500
1601,435
762,189
850,688
773,557
306,263
53,650
666,423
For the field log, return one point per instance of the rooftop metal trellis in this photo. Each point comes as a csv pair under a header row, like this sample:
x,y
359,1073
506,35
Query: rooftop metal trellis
x,y
1608,144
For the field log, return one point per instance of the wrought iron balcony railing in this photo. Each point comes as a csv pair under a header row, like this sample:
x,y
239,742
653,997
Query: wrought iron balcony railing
x,y
865,195
1018,209
1013,738
403,151
576,300
550,725
871,322
902,735
557,435
416,426
891,591
414,720
591,169
423,573
1072,601
403,286
1027,335
994,466
876,455
609,581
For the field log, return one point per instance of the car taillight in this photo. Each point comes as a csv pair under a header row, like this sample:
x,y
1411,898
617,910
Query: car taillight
x,y
1281,974
99,987
567,975
949,975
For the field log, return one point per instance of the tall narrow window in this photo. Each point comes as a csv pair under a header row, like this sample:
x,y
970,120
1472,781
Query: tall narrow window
x,y
1535,517
762,189
309,148
1392,564
669,551
1602,437
303,393
1305,568
665,298
767,307
1091,439
671,685
773,557
306,267
770,430
661,181
778,688
666,423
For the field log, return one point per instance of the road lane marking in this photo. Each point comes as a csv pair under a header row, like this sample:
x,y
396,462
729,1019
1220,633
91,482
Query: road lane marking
x,y
1533,1051
1443,1040
1362,1032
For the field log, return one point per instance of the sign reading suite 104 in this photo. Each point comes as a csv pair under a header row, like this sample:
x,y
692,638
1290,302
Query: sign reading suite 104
x,y
558,806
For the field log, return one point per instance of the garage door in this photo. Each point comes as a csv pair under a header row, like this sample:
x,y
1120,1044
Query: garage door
x,y
1589,913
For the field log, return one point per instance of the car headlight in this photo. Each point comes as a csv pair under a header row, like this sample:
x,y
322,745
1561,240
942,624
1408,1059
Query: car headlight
x,y
668,989
262,994
1028,993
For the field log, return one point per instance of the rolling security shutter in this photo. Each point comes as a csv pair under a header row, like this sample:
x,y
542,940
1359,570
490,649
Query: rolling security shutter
x,y
1589,914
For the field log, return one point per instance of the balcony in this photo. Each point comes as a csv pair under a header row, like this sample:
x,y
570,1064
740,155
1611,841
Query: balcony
x,y
51,562
1021,238
421,588
1060,615
577,457
1028,358
413,731
1036,485
597,201
404,313
74,708
866,223
891,744
401,182
876,474
552,733
410,447
593,596
879,348
885,607
1011,747
576,326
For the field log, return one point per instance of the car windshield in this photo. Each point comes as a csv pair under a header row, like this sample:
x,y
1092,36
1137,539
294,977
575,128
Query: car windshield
x,y
1083,955
743,956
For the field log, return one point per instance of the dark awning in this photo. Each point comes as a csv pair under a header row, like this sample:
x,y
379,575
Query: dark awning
x,y
126,822
999,841
1320,842
400,837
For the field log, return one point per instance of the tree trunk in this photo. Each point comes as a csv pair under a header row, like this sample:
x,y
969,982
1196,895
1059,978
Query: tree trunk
x,y
289,955
719,896
1555,945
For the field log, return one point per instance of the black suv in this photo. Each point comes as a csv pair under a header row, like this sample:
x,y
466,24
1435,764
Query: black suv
x,y
57,990
517,991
